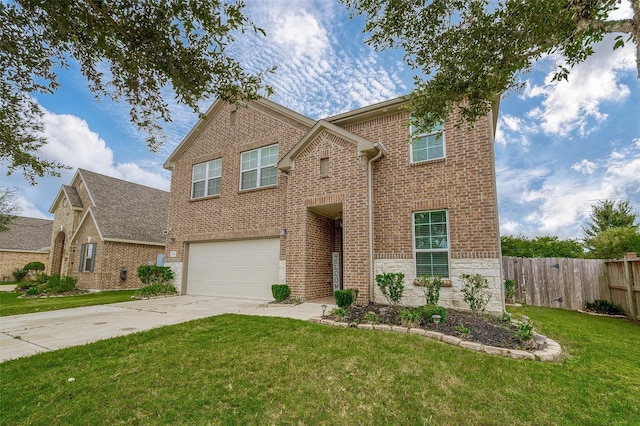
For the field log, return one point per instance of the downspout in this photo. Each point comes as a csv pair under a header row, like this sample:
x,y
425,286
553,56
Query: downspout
x,y
381,152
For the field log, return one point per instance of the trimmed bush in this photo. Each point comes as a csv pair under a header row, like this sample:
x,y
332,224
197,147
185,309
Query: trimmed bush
x,y
280,292
149,274
156,289
345,298
428,311
34,266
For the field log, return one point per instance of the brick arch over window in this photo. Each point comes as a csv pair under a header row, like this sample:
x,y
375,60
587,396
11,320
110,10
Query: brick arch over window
x,y
57,254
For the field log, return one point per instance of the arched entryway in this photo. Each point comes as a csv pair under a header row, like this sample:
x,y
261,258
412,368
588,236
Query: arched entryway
x,y
57,254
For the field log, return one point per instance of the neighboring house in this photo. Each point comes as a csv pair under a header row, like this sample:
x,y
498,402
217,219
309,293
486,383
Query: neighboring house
x,y
105,228
263,195
26,240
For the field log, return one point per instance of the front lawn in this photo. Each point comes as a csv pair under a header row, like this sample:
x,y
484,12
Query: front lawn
x,y
10,304
233,369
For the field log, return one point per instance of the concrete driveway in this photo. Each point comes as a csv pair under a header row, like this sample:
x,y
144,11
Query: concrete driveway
x,y
24,335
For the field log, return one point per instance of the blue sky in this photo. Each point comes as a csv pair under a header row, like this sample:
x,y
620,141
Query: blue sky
x,y
560,147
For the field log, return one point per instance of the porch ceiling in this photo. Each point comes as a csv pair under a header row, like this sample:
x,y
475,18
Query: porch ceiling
x,y
332,211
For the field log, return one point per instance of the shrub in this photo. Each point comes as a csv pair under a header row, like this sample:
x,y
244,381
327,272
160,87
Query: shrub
x,y
371,318
428,311
475,291
339,312
345,298
19,274
603,307
525,330
431,287
156,289
149,274
391,285
409,317
34,266
280,292
32,291
58,284
509,290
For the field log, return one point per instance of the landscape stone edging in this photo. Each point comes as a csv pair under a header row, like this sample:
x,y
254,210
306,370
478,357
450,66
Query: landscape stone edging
x,y
552,351
602,315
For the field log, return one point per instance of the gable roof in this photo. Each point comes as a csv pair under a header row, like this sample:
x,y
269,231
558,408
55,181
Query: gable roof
x,y
27,234
363,145
213,110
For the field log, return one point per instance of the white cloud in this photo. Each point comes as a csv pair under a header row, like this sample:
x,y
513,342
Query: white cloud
x,y
585,167
511,129
574,104
301,35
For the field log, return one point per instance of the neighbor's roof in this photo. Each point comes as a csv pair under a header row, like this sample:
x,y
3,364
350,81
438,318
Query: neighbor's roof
x,y
27,234
126,211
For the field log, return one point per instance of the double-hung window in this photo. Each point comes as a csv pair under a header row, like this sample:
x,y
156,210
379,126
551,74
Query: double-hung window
x,y
206,178
427,145
258,167
87,257
431,243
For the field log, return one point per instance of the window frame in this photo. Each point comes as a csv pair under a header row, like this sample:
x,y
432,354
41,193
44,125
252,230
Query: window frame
x,y
446,250
209,176
436,130
258,168
85,250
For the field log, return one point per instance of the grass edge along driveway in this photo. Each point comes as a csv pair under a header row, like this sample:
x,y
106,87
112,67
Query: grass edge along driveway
x,y
234,369
10,304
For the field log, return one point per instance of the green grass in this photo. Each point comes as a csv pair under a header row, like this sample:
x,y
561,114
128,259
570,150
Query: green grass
x,y
9,282
10,304
234,369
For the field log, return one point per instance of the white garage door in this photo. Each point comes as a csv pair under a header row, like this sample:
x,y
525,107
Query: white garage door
x,y
243,269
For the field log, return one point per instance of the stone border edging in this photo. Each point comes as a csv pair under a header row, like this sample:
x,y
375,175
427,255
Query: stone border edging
x,y
552,351
602,315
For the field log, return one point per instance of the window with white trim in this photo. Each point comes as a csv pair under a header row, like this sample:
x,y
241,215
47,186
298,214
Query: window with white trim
x,y
427,145
431,243
258,167
87,257
206,179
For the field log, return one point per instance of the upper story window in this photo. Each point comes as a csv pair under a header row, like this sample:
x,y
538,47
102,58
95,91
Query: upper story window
x,y
258,167
427,145
431,243
206,178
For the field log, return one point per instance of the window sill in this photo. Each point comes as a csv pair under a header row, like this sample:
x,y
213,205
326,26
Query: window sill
x,y
191,200
260,188
435,160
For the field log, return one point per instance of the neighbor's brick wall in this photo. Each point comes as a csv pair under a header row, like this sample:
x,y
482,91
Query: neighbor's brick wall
x,y
10,260
234,214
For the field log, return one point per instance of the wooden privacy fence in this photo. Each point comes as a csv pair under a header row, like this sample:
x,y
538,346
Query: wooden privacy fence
x,y
569,283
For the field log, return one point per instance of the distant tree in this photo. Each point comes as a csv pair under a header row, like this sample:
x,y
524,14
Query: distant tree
x,y
609,214
472,51
613,243
547,246
129,51
8,208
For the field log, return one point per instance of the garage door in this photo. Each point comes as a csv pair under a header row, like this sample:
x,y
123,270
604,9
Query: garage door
x,y
243,269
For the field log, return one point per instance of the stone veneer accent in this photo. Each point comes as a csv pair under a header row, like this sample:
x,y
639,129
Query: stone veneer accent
x,y
551,352
450,296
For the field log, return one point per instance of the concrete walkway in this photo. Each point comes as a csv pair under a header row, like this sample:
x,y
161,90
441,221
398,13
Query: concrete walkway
x,y
24,335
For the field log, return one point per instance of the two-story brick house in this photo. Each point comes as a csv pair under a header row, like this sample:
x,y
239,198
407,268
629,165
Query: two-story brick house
x,y
263,195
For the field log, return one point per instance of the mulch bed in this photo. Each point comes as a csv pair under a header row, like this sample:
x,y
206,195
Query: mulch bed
x,y
483,329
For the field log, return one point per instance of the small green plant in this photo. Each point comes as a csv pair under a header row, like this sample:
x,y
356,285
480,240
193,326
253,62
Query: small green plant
x,y
509,291
525,330
345,298
603,307
34,266
158,288
391,284
431,287
339,313
462,329
371,318
280,292
150,273
409,317
19,274
428,311
506,316
476,293
296,300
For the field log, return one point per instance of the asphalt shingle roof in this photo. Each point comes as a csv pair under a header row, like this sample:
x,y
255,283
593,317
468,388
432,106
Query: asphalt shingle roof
x,y
27,233
125,210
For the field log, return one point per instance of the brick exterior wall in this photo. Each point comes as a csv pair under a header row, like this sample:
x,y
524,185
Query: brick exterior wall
x,y
10,260
463,183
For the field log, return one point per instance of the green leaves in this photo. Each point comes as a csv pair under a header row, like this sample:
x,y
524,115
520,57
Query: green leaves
x,y
128,51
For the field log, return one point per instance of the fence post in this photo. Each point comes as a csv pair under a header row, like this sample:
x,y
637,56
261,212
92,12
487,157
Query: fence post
x,y
628,279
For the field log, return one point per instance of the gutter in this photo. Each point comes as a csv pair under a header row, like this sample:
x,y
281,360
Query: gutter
x,y
381,151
